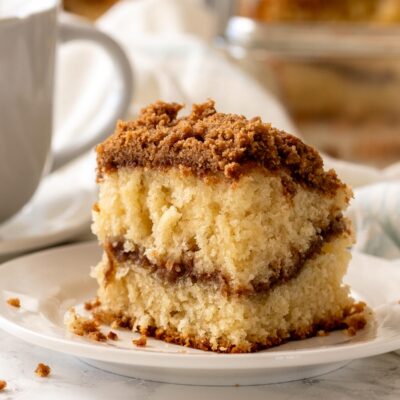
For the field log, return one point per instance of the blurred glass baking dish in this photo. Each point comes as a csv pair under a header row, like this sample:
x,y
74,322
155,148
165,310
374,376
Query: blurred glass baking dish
x,y
339,81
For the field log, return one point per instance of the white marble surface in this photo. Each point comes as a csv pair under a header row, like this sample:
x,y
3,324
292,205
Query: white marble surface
x,y
368,379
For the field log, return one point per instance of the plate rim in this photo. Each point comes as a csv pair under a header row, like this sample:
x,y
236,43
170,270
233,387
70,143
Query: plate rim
x,y
197,361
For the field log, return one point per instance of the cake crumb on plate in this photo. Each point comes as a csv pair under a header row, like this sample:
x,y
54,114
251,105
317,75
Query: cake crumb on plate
x,y
97,336
140,342
89,305
112,335
80,325
14,301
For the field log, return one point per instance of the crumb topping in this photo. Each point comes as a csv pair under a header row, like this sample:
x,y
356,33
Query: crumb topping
x,y
207,142
141,342
3,385
42,370
14,302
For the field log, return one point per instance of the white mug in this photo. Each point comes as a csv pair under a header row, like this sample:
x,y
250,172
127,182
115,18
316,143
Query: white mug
x,y
29,32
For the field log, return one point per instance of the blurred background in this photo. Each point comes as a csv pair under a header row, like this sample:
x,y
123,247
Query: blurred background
x,y
334,64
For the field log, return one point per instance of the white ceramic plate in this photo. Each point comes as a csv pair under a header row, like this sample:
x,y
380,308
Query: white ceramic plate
x,y
50,282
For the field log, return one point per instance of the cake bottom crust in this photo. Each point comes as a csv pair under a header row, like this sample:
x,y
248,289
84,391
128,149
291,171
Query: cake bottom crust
x,y
353,319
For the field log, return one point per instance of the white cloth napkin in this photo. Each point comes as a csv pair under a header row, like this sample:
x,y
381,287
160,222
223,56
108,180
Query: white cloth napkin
x,y
168,43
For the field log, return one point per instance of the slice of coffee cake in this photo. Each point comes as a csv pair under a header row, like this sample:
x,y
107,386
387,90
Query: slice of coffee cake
x,y
219,232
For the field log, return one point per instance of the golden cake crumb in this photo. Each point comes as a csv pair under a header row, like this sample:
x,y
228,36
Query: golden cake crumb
x,y
14,301
42,370
322,333
356,320
89,305
103,317
140,342
97,336
350,331
112,335
3,385
83,326
121,322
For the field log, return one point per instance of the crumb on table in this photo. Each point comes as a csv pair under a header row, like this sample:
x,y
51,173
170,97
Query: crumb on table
x,y
3,385
112,335
14,301
42,370
140,342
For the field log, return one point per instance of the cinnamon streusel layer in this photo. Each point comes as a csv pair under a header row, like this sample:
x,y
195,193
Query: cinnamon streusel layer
x,y
207,143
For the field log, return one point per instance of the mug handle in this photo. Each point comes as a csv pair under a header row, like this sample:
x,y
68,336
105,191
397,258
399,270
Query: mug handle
x,y
113,109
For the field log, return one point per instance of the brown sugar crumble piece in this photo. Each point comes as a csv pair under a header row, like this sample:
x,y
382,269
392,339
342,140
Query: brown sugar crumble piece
x,y
96,207
91,304
3,385
97,336
112,335
14,301
140,342
42,370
